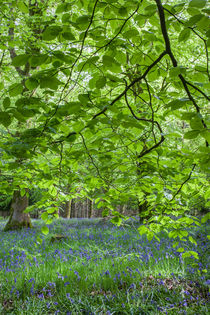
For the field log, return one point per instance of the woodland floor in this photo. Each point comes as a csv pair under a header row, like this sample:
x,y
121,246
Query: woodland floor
x,y
100,269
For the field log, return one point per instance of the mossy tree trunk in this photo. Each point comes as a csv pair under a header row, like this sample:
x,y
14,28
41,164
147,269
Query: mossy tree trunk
x,y
18,219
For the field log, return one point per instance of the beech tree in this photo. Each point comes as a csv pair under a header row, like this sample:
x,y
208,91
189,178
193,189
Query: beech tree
x,y
110,98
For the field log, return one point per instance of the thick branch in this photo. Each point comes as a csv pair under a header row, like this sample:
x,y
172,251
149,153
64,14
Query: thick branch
x,y
131,84
173,59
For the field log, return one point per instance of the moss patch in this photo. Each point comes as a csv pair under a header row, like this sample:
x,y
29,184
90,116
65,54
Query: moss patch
x,y
15,225
57,237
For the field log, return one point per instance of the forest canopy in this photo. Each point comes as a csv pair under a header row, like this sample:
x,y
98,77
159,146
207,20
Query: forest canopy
x,y
107,100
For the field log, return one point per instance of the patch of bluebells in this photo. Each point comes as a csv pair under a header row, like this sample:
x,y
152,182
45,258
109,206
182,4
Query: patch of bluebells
x,y
18,253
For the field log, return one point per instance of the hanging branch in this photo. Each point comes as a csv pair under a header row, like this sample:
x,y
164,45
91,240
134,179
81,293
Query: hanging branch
x,y
154,122
173,59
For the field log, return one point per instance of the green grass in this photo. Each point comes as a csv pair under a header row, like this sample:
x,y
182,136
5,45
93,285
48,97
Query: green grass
x,y
99,269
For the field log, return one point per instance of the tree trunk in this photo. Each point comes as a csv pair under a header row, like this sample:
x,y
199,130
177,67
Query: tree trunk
x,y
141,209
90,208
72,214
18,219
67,209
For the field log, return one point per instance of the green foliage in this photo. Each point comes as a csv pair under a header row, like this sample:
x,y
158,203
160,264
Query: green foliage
x,y
5,203
107,100
45,230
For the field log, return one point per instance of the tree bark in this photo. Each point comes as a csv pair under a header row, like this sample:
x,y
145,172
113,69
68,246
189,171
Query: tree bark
x,y
67,209
72,214
141,209
18,219
90,208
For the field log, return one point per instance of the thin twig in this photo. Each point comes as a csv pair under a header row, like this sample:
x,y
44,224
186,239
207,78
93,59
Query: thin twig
x,y
180,188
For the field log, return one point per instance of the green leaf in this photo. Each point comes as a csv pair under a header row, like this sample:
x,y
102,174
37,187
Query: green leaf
x,y
6,102
38,60
131,33
51,32
20,60
173,234
50,82
22,192
44,216
116,220
196,123
39,240
180,250
205,218
193,20
206,135
192,240
108,60
143,230
101,82
191,134
68,35
122,11
176,104
113,78
5,119
184,35
45,230
182,233
136,58
71,138
150,236
187,116
29,209
22,7
83,21
84,98
31,84
175,244
175,71
15,89
51,210
189,254
26,112
197,3
63,7
78,126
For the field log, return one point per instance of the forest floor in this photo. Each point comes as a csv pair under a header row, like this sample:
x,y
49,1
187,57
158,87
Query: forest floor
x,y
100,269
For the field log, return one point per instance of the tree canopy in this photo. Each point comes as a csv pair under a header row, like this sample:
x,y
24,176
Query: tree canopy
x,y
107,99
